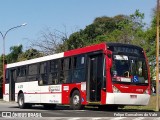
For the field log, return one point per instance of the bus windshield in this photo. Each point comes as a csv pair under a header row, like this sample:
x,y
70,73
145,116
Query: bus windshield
x,y
129,69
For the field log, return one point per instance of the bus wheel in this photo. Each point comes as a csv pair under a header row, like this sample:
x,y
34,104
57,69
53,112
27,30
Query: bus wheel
x,y
75,101
21,103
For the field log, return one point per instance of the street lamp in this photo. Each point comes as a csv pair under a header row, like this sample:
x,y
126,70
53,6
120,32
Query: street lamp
x,y
3,37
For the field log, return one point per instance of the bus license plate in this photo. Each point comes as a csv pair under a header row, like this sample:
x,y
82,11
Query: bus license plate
x,y
133,96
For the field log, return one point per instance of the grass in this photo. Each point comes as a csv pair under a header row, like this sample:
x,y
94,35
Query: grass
x,y
150,107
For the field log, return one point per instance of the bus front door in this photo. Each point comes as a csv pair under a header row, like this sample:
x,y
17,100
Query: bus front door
x,y
95,78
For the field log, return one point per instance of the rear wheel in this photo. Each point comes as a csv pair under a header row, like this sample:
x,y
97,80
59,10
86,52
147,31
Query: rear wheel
x,y
21,103
75,101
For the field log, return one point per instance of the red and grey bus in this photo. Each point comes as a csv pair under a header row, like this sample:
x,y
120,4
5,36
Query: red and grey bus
x,y
106,75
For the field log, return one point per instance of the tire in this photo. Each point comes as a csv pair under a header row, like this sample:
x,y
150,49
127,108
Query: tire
x,y
21,103
75,101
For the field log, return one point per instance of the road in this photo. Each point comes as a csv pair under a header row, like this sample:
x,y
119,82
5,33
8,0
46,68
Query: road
x,y
65,113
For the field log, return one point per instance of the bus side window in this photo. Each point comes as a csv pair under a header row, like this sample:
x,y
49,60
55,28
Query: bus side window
x,y
21,74
65,71
78,68
43,73
32,72
7,76
53,72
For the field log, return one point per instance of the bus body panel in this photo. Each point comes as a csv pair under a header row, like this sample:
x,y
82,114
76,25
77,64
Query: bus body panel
x,y
127,99
6,93
67,90
51,94
124,88
30,91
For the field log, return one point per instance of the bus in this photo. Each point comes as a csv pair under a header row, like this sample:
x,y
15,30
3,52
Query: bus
x,y
107,75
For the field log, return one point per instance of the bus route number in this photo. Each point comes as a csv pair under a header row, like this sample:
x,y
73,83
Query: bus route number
x,y
20,86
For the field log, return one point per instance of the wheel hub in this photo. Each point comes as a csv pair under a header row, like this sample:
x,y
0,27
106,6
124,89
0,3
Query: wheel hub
x,y
76,100
21,101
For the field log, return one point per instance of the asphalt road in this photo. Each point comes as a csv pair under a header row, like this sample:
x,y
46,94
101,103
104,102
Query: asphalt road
x,y
9,110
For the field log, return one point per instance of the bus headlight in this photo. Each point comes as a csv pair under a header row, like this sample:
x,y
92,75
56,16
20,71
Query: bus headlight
x,y
115,90
146,91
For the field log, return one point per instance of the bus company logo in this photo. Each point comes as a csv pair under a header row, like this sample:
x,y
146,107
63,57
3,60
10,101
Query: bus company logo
x,y
54,88
6,114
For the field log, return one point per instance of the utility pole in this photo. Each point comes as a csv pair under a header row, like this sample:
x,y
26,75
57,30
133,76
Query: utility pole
x,y
3,38
157,60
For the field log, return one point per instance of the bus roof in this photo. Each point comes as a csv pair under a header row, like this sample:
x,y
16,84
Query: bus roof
x,y
59,55
36,60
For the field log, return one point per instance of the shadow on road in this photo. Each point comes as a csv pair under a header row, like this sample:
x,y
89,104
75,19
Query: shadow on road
x,y
88,108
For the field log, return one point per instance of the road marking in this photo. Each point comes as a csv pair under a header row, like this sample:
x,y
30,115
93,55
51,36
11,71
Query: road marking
x,y
157,118
118,118
96,118
74,118
139,118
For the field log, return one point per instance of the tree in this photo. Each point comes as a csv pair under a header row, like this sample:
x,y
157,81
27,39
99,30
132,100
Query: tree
x,y
15,52
50,42
150,46
130,30
29,54
96,32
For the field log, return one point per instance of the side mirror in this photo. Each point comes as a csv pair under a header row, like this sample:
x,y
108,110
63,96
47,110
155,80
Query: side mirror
x,y
109,62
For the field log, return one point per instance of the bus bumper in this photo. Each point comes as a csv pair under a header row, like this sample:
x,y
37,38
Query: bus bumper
x,y
127,99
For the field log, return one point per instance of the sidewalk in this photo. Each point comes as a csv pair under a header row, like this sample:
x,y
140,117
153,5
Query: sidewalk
x,y
2,101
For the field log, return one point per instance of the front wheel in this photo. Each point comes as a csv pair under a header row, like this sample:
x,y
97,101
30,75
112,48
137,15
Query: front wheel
x,y
75,101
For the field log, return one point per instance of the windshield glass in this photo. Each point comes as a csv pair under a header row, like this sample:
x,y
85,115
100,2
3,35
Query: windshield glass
x,y
129,69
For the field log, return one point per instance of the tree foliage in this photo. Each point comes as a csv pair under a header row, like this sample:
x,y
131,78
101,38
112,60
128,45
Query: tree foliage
x,y
29,54
15,52
120,28
50,42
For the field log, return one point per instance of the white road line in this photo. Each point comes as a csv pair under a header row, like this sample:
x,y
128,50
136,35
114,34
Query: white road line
x,y
96,118
118,118
158,118
138,118
74,118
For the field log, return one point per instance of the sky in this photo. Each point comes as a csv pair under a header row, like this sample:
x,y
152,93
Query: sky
x,y
63,15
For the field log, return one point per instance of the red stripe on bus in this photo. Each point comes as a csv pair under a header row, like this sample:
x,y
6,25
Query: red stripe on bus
x,y
90,48
42,93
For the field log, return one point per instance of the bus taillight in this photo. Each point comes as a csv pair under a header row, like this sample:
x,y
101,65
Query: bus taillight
x,y
146,91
